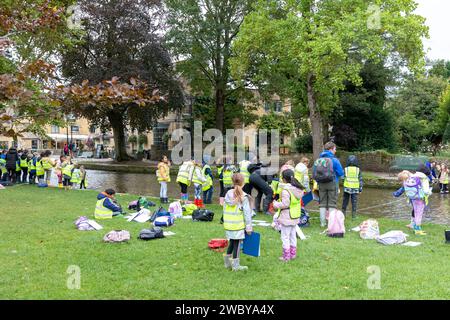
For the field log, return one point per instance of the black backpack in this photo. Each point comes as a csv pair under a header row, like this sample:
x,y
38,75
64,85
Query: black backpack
x,y
149,234
202,215
323,170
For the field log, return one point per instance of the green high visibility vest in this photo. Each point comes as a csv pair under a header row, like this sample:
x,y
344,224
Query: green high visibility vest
x,y
23,163
39,168
46,164
295,207
101,212
233,218
183,174
243,169
31,165
208,184
219,171
75,177
351,178
274,185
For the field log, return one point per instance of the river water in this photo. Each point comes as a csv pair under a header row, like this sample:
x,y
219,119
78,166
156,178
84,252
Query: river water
x,y
372,202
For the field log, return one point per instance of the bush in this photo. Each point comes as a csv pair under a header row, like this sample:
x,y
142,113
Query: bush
x,y
304,144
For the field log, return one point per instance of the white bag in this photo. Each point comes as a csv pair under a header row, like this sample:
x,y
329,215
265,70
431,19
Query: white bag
x,y
392,237
369,229
176,210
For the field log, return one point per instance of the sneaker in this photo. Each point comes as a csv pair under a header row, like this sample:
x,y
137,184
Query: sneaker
x,y
420,233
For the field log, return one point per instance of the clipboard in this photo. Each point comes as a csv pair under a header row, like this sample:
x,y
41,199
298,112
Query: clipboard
x,y
252,244
307,198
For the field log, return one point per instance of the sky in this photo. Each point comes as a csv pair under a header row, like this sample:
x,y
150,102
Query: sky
x,y
438,20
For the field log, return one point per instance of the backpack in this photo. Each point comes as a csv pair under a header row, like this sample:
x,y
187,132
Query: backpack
x,y
202,215
392,237
304,219
218,245
82,223
133,205
163,221
413,188
336,226
369,229
149,234
161,212
323,171
117,236
175,209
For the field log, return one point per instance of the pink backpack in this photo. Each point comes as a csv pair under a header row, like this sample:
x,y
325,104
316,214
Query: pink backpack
x,y
175,209
336,225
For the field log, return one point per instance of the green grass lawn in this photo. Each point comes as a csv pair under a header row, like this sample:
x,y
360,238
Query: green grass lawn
x,y
39,242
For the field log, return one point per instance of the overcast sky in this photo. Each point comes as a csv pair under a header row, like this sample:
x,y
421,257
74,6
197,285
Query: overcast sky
x,y
437,14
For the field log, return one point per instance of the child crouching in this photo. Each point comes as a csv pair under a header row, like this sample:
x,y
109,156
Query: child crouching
x,y
237,220
288,215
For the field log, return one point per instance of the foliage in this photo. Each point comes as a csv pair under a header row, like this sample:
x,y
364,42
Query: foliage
x,y
132,139
304,143
122,39
308,50
440,68
142,139
200,36
416,109
273,121
444,114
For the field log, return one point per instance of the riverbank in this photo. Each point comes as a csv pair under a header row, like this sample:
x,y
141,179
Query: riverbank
x,y
40,242
371,179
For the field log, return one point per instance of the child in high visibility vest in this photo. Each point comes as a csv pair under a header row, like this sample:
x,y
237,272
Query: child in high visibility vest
x,y
198,179
83,177
207,187
67,170
23,162
163,174
75,180
443,178
289,212
237,217
31,168
184,178
353,184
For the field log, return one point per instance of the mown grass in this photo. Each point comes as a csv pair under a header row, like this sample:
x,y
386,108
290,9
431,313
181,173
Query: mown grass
x,y
39,242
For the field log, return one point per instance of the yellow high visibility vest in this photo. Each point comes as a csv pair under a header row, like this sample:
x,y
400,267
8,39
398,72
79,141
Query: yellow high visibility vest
x,y
23,163
227,177
67,170
196,179
208,184
75,177
274,185
233,218
3,166
39,168
18,168
159,175
101,212
31,165
183,174
243,169
295,207
219,171
46,164
351,177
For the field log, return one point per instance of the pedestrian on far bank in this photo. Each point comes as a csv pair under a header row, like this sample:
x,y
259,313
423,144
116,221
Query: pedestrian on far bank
x,y
327,171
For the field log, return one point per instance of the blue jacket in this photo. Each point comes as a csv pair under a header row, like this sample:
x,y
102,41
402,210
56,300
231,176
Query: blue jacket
x,y
108,203
337,167
399,192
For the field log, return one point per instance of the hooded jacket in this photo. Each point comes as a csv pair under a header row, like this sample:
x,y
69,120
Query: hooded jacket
x,y
108,203
11,158
285,218
337,167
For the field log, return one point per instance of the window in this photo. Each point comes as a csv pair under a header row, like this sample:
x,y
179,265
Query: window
x,y
75,128
45,144
267,107
34,144
92,129
160,135
55,129
278,106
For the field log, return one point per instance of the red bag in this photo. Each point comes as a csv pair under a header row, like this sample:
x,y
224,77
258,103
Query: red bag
x,y
218,245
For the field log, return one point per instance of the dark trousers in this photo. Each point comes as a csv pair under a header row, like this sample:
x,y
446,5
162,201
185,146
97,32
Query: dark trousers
x,y
354,199
444,187
207,195
32,177
12,175
263,188
328,194
234,247
24,174
183,187
83,184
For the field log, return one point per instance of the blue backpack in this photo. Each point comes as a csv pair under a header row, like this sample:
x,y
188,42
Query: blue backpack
x,y
413,188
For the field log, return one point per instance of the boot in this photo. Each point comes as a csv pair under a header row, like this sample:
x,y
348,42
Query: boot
x,y
200,204
286,255
166,200
323,220
354,214
161,200
293,252
235,265
227,260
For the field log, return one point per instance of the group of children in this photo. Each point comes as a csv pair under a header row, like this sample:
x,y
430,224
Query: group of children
x,y
36,168
440,172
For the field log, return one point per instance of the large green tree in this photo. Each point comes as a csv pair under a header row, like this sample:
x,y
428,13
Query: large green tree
x,y
309,49
122,40
200,35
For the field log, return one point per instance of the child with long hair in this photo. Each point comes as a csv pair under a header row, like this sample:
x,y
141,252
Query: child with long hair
x,y
163,174
443,178
288,215
237,220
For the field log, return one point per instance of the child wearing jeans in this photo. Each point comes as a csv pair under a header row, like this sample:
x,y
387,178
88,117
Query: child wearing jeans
x,y
237,220
289,211
163,174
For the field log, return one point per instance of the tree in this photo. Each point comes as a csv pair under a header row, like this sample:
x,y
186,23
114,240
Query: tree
x,y
361,122
200,35
121,40
417,112
32,33
309,49
440,68
444,115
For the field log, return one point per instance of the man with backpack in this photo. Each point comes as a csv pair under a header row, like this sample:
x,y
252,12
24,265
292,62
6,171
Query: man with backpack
x,y
327,171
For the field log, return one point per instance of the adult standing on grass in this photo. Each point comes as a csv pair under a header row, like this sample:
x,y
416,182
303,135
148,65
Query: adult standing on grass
x,y
11,163
327,171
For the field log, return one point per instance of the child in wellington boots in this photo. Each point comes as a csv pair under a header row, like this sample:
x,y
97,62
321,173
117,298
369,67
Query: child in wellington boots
x,y
237,220
288,215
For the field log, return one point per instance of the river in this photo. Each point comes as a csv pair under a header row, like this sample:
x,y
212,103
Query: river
x,y
372,202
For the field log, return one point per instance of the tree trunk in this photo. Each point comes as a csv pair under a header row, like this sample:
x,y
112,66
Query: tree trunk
x,y
116,121
220,108
315,118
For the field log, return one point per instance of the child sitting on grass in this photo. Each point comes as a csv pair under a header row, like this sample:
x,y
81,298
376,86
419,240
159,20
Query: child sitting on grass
x,y
107,206
237,220
288,215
